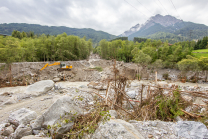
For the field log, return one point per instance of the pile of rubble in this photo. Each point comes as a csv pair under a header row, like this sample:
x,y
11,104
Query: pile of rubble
x,y
72,101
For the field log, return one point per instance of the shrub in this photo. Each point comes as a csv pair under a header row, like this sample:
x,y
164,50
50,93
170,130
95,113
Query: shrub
x,y
165,76
98,68
169,107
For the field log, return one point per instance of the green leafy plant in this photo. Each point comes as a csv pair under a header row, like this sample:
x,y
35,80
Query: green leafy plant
x,y
137,76
169,107
98,68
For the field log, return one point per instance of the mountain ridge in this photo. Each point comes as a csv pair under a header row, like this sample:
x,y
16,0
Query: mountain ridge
x,y
168,24
95,35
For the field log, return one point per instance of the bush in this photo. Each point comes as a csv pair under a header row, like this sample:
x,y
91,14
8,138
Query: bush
x,y
163,107
169,107
98,68
165,76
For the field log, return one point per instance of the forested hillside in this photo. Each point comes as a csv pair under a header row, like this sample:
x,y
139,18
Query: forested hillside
x,y
170,37
63,47
96,36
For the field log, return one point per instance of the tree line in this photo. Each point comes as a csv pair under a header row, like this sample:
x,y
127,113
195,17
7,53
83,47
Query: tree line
x,y
202,44
155,54
24,47
129,51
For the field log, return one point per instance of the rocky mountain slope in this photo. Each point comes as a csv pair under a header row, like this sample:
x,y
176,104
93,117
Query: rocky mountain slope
x,y
167,24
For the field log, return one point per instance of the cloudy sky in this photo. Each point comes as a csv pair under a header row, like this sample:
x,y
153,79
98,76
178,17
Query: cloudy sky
x,y
112,16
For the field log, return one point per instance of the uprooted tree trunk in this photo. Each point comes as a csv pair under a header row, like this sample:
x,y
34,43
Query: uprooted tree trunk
x,y
10,74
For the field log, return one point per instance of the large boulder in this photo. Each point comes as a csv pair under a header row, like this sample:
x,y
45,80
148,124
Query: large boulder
x,y
8,130
21,131
155,129
191,130
22,116
116,129
39,88
63,108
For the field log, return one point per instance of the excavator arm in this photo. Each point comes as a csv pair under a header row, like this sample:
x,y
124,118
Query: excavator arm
x,y
46,65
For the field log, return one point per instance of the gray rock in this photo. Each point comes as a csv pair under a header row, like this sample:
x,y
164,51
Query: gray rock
x,y
64,107
191,129
199,101
100,87
134,84
131,94
178,118
22,116
133,121
22,131
97,85
39,88
36,132
157,132
34,137
61,86
36,125
55,87
153,123
2,127
11,100
158,129
8,130
113,113
116,128
203,110
57,79
83,86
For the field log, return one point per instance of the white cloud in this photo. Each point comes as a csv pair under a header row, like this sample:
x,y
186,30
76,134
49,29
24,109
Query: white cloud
x,y
112,16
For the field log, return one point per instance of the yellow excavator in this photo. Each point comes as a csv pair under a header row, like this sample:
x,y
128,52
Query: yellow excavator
x,y
63,66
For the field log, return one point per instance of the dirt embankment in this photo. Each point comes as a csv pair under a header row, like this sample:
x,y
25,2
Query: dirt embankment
x,y
24,73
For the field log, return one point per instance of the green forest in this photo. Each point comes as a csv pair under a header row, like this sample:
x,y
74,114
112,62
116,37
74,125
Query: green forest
x,y
170,37
202,44
27,47
155,53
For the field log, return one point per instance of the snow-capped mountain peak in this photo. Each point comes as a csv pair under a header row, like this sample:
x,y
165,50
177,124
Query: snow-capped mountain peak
x,y
165,21
131,30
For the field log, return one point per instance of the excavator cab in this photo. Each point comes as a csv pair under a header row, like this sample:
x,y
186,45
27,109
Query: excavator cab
x,y
63,65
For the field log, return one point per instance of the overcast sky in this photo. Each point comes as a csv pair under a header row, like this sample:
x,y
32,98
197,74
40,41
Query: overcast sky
x,y
112,16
